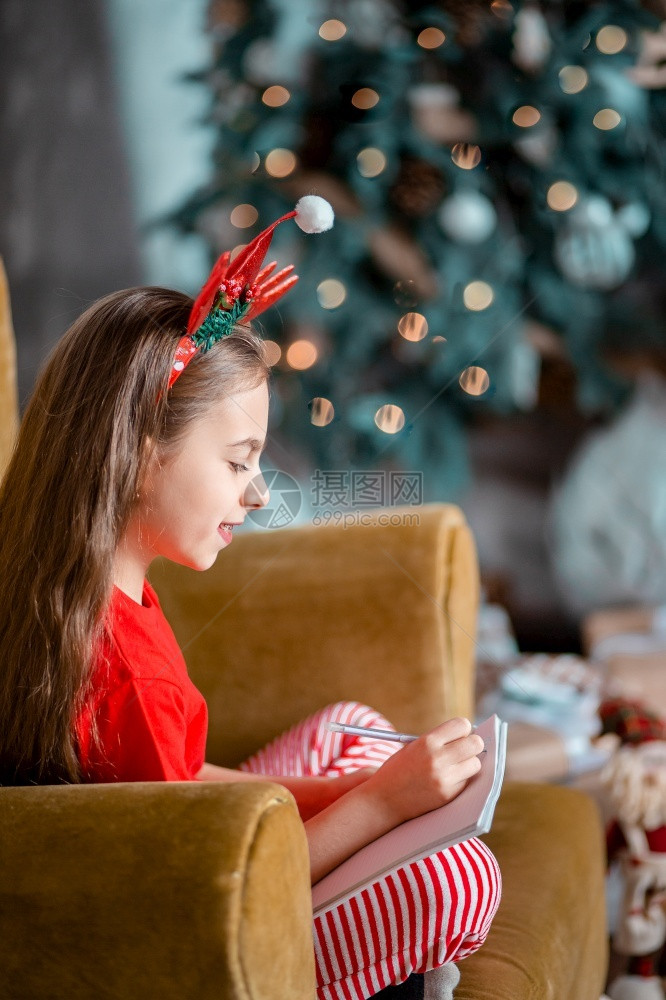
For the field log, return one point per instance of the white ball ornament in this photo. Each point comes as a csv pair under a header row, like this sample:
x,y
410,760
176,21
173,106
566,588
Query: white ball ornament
x,y
467,217
594,210
531,40
314,214
259,62
593,255
634,217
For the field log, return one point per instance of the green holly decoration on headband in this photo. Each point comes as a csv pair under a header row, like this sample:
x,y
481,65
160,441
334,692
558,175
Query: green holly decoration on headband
x,y
221,321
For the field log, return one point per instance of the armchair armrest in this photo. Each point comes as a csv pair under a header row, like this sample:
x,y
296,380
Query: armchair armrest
x,y
9,409
143,889
290,620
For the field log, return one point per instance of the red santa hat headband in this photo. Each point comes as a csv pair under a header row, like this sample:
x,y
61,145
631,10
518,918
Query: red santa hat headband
x,y
241,289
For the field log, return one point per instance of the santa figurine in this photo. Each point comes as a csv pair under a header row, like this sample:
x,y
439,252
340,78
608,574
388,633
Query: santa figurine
x,y
635,779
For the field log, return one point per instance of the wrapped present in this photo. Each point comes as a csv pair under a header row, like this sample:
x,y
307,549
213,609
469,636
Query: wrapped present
x,y
641,678
632,631
550,702
629,646
535,754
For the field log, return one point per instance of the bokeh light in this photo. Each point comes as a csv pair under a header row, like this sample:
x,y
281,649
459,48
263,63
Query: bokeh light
x,y
502,9
413,326
561,196
431,38
256,162
321,411
280,162
301,354
275,97
243,216
390,418
526,116
236,250
573,79
606,119
333,30
365,98
466,155
272,352
370,162
331,293
474,380
611,39
478,295
439,339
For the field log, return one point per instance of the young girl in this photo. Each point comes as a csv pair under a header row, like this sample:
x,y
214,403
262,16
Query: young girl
x,y
142,439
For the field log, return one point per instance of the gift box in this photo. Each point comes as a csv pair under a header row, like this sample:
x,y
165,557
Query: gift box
x,y
629,646
534,753
632,630
550,703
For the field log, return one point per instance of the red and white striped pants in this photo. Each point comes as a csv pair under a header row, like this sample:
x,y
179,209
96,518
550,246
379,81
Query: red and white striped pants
x,y
425,914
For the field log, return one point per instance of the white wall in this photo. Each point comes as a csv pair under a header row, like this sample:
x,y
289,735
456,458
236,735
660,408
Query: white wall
x,y
154,42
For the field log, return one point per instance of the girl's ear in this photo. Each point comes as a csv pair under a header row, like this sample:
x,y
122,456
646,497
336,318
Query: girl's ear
x,y
148,446
150,463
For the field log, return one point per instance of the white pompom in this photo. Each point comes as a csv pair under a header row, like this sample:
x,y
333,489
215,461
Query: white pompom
x,y
315,215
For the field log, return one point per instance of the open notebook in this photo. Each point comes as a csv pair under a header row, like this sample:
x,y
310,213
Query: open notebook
x,y
468,815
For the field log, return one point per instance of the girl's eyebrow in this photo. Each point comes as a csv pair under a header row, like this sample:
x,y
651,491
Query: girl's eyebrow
x,y
254,443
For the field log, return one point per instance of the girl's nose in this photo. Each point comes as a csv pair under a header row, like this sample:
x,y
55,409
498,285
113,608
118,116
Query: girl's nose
x,y
256,493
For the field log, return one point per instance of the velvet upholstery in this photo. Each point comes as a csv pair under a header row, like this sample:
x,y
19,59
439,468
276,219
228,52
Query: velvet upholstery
x,y
9,415
288,621
548,939
153,889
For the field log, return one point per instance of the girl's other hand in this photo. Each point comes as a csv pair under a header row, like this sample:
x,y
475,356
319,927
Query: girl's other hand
x,y
427,773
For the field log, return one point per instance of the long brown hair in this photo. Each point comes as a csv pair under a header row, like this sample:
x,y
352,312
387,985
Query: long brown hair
x,y
67,496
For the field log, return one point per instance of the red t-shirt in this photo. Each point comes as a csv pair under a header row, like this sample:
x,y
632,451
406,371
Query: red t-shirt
x,y
151,718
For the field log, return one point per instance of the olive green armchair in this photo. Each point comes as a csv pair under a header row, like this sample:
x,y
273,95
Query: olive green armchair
x,y
200,890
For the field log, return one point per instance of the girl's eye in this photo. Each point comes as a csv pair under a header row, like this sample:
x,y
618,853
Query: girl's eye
x,y
239,468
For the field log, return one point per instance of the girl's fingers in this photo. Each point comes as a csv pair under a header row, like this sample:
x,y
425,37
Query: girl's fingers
x,y
471,746
452,751
452,729
457,776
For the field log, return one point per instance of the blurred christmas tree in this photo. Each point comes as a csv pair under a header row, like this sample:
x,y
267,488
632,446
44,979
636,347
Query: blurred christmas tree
x,y
496,170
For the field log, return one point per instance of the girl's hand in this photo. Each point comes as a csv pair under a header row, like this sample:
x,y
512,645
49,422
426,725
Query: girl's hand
x,y
427,773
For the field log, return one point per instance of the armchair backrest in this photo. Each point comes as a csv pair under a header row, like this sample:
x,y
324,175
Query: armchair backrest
x,y
292,619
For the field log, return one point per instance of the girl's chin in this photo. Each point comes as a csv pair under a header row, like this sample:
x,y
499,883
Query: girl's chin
x,y
200,565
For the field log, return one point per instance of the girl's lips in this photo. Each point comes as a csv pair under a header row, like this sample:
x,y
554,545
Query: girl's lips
x,y
226,534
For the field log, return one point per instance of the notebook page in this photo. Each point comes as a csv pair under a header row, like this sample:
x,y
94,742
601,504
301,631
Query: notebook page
x,y
486,817
418,837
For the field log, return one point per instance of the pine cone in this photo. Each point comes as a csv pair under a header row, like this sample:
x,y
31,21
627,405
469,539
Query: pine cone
x,y
471,17
419,187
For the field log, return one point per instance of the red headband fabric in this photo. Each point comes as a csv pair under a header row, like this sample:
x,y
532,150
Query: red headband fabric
x,y
241,289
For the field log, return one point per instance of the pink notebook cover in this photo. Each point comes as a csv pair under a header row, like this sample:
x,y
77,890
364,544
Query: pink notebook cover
x,y
469,814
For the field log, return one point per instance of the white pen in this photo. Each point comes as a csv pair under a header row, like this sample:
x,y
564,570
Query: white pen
x,y
379,734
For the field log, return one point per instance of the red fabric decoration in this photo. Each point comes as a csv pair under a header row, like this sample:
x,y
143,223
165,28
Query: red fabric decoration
x,y
631,720
241,290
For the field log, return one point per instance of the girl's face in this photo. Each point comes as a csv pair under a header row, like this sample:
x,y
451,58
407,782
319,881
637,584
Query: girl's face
x,y
214,479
